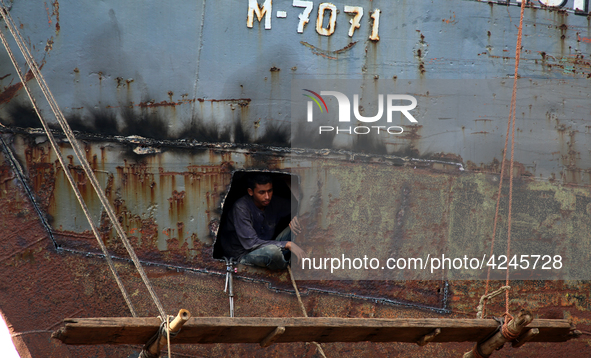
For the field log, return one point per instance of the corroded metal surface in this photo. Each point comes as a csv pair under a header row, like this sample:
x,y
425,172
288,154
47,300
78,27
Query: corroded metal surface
x,y
120,77
73,283
170,211
170,202
171,101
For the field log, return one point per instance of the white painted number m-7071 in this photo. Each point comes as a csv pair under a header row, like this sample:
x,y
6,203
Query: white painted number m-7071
x,y
326,10
304,16
265,11
329,10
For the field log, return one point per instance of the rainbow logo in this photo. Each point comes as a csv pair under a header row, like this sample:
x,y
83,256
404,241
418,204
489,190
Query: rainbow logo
x,y
315,100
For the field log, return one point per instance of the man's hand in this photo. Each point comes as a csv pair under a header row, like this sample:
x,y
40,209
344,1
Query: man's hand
x,y
295,227
296,250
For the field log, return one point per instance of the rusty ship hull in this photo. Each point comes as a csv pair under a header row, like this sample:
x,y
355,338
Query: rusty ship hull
x,y
171,103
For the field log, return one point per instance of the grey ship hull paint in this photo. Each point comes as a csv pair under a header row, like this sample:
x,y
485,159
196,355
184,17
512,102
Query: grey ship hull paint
x,y
171,101
197,71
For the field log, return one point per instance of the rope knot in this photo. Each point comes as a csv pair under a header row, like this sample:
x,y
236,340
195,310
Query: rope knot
x,y
507,333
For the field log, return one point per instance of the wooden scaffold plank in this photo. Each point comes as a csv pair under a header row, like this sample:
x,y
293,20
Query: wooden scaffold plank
x,y
202,330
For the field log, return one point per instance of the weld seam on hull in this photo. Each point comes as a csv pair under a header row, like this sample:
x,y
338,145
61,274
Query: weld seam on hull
x,y
270,286
14,164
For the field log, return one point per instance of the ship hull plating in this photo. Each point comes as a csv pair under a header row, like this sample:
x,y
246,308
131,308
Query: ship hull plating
x,y
170,102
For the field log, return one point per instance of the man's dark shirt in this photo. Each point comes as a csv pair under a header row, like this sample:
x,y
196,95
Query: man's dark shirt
x,y
248,228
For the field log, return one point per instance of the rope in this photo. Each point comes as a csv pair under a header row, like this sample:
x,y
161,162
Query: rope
x,y
487,297
513,105
68,175
164,326
168,334
295,287
75,146
506,331
510,127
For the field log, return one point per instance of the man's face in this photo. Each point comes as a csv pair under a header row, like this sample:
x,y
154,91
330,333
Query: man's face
x,y
261,194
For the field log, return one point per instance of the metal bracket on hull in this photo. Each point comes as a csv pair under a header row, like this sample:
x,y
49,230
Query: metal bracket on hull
x,y
229,286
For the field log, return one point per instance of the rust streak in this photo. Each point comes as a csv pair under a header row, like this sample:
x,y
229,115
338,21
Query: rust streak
x,y
326,53
346,48
159,104
10,91
56,10
243,102
48,14
7,179
56,13
323,55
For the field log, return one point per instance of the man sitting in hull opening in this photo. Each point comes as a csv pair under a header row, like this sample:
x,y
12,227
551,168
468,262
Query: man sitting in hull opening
x,y
251,223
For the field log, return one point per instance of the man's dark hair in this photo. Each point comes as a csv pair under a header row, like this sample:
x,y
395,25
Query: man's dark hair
x,y
258,178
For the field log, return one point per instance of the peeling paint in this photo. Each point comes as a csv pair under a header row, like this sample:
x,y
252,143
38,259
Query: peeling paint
x,y
166,160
